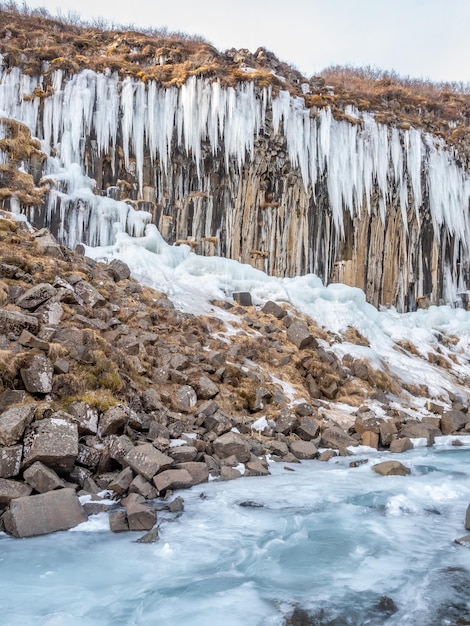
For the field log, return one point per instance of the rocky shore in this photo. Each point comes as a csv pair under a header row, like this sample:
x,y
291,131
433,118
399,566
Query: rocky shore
x,y
111,398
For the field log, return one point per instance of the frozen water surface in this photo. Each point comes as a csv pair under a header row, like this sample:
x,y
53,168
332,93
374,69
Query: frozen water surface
x,y
327,539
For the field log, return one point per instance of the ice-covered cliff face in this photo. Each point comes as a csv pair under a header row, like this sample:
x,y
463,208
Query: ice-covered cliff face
x,y
250,174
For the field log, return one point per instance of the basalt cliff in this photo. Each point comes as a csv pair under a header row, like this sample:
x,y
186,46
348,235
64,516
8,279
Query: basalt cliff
x,y
357,178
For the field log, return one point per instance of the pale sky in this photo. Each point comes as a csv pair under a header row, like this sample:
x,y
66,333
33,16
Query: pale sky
x,y
420,38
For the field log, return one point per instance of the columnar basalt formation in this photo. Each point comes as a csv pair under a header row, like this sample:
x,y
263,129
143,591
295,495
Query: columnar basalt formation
x,y
246,172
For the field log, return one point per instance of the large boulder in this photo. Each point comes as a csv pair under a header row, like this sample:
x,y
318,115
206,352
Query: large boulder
x,y
139,515
199,471
453,421
147,460
88,294
37,375
232,444
54,442
13,422
391,468
307,429
206,389
44,513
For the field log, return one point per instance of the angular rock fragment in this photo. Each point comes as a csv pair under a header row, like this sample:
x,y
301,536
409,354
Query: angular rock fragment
x,y
272,308
122,481
42,478
118,521
139,515
44,513
13,422
90,296
10,489
54,442
182,454
147,460
206,389
37,375
15,322
232,444
199,471
113,420
401,445
143,487
334,437
303,449
119,270
10,461
185,398
307,429
453,421
299,335
173,479
35,296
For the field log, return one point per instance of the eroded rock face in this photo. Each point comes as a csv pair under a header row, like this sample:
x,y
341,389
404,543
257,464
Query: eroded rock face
x,y
44,513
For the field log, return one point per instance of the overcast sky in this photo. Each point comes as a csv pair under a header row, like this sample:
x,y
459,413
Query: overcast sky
x,y
420,38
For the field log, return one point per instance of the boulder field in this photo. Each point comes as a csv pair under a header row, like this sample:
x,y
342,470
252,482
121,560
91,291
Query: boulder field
x,y
111,398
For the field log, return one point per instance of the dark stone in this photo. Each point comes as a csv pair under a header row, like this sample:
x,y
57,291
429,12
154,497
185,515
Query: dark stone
x,y
37,375
272,308
243,298
299,335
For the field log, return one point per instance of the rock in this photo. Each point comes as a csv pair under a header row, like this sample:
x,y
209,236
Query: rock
x,y
139,515
256,467
218,422
173,479
401,445
10,397
10,489
28,340
334,437
434,408
307,429
42,478
88,294
147,460
299,335
151,400
181,454
86,417
37,375
419,430
10,461
44,513
13,322
199,471
87,456
185,398
54,442
391,468
387,431
118,521
327,455
303,449
262,397
370,439
286,422
232,444
229,473
177,505
122,481
272,308
13,422
119,447
206,389
119,270
35,296
364,424
150,537
47,243
463,541
143,487
467,518
304,409
453,421
113,420
243,298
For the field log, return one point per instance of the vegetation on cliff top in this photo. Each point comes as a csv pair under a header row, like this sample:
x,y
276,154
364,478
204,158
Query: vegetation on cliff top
x,y
39,43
